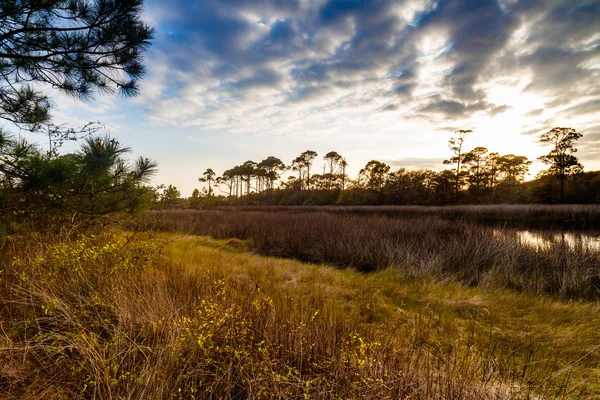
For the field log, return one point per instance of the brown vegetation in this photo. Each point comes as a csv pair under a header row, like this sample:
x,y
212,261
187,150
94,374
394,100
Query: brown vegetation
x,y
582,216
187,317
424,246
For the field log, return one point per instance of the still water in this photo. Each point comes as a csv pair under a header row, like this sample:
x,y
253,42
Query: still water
x,y
544,239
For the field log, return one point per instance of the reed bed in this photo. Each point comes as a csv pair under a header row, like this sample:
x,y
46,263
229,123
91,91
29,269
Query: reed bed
x,y
472,254
585,216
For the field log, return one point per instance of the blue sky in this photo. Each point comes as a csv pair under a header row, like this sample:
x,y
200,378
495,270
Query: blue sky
x,y
231,80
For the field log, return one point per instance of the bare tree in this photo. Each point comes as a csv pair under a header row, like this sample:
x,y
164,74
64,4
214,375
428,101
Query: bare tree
x,y
208,177
456,145
343,166
227,179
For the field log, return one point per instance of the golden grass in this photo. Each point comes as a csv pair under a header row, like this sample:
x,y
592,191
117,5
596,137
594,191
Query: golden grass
x,y
559,331
179,316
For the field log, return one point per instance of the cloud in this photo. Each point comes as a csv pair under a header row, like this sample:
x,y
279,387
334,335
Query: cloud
x,y
416,163
283,65
500,109
479,29
404,89
587,107
452,109
589,144
389,107
534,113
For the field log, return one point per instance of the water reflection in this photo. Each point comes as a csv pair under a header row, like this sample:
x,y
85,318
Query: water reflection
x,y
546,239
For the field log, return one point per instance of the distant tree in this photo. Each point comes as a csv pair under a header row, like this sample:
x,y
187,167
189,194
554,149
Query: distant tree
x,y
374,174
235,174
170,197
443,183
307,158
475,160
195,201
75,46
456,145
298,166
227,180
333,160
492,169
343,165
208,177
292,183
247,171
513,168
302,164
320,182
273,166
399,187
561,158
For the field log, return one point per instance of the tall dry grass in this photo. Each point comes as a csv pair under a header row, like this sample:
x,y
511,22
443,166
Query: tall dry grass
x,y
586,216
106,318
426,246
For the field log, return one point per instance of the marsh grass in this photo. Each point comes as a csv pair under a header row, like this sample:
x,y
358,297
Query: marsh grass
x,y
178,316
417,247
581,216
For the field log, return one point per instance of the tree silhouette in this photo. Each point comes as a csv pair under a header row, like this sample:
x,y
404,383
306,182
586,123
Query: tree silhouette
x,y
333,160
456,144
208,177
298,166
170,197
374,173
228,179
513,168
195,200
492,169
273,166
475,159
480,175
76,46
343,165
306,159
236,177
302,165
561,158
247,171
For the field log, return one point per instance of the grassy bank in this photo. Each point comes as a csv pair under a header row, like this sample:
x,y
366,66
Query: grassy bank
x,y
178,316
419,247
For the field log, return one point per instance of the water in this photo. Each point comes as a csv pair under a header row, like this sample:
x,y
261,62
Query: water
x,y
545,239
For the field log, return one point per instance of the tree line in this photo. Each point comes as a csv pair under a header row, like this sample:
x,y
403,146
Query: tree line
x,y
475,176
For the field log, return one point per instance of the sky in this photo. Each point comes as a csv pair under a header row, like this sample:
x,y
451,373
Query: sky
x,y
233,80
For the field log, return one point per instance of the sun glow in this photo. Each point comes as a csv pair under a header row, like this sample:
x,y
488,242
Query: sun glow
x,y
514,97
